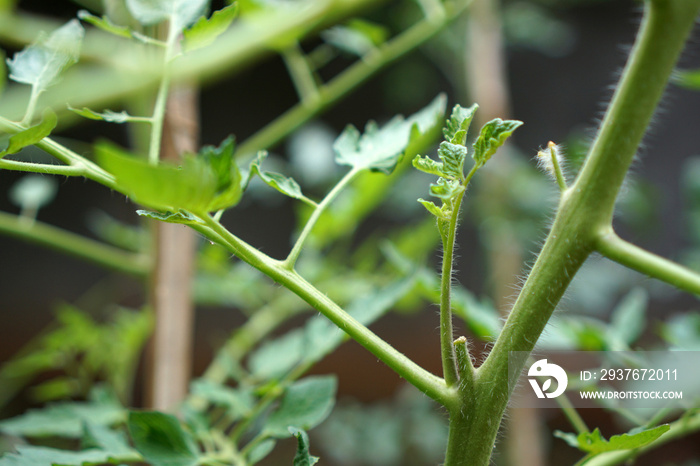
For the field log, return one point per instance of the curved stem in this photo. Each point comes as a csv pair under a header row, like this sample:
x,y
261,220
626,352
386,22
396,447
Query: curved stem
x,y
65,155
318,210
428,383
615,248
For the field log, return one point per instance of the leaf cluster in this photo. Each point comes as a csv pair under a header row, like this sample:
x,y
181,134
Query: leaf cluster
x,y
453,151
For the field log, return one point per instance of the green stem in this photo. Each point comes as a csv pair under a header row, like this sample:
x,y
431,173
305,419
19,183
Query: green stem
x,y
449,368
302,76
65,155
571,414
31,106
158,117
75,245
316,214
613,247
428,383
43,168
558,174
350,79
585,209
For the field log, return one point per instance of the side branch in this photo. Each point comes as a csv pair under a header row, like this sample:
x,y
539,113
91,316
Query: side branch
x,y
428,383
615,248
75,245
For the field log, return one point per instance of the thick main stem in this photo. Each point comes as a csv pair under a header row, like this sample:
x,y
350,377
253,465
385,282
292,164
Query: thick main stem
x,y
585,209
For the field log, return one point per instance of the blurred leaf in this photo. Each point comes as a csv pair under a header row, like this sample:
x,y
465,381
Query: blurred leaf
x,y
238,402
357,37
320,336
44,456
161,440
64,419
105,24
594,442
492,136
628,320
370,189
303,456
180,13
33,134
481,316
286,185
107,115
261,450
110,441
33,192
683,331
40,63
457,127
305,404
206,30
380,149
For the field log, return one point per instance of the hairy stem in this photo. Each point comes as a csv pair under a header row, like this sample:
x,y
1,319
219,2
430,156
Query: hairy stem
x,y
585,209
428,383
449,368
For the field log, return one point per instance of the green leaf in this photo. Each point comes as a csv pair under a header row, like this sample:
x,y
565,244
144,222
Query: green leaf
x,y
303,455
261,450
33,134
381,149
305,404
107,115
627,321
228,177
493,135
281,183
428,165
446,189
238,402
202,184
44,456
357,38
453,157
63,419
161,440
440,213
180,13
183,217
457,127
105,24
41,63
205,31
594,442
112,442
